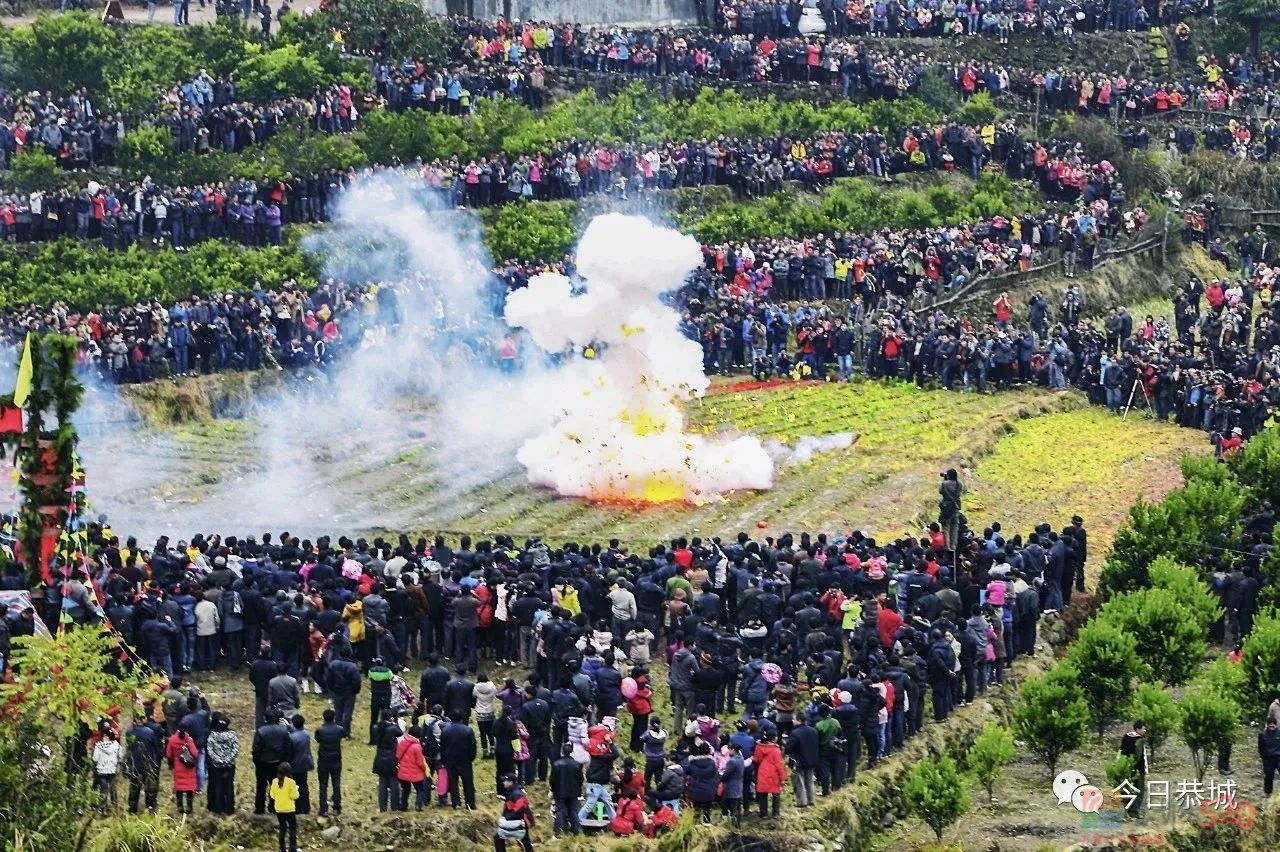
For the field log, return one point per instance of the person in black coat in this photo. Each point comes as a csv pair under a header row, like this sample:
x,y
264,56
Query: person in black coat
x,y
802,748
386,736
432,684
329,737
566,789
536,715
1269,751
271,747
261,671
457,754
459,697
608,691
343,680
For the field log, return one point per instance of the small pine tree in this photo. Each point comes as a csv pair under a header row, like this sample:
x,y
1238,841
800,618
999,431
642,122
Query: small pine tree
x,y
1052,716
935,793
991,750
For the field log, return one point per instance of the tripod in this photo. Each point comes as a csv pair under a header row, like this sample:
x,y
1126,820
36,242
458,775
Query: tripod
x,y
1132,393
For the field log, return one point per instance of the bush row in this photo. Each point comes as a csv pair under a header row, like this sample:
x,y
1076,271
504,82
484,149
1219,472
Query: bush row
x,y
1160,607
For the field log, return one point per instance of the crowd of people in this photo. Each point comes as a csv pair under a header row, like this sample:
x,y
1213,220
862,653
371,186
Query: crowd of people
x,y
950,18
236,331
801,659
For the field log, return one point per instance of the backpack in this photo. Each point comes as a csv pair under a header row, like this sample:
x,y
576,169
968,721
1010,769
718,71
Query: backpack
x,y
431,738
184,753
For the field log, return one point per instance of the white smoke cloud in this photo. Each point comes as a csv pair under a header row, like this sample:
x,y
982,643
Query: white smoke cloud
x,y
619,433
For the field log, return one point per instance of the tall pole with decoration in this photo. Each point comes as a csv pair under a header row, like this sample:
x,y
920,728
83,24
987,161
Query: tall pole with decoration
x,y
39,434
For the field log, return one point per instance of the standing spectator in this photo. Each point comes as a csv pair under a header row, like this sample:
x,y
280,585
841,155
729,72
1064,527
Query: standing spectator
x,y
771,775
261,673
106,767
457,754
302,762
483,695
144,750
1133,744
342,677
411,769
183,754
271,747
284,798
803,748
1269,751
222,751
566,789
385,739
379,696
329,737
207,624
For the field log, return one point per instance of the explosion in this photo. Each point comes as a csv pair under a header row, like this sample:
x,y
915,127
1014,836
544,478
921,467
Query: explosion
x,y
619,432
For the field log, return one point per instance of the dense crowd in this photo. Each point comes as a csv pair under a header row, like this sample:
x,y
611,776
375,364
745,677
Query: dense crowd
x,y
801,659
949,18
238,331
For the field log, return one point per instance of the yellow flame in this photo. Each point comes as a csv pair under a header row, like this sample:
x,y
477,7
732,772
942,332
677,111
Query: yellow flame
x,y
662,488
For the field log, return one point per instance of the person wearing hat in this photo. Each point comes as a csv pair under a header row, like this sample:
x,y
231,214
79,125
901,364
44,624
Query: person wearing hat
x,y
515,823
1232,445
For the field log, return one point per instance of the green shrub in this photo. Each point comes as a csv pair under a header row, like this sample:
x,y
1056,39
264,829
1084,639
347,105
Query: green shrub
x,y
1123,768
935,793
991,750
1155,706
543,232
84,277
1053,715
1170,640
1107,658
1206,515
1187,586
1261,663
275,72
979,110
1259,466
1206,721
34,169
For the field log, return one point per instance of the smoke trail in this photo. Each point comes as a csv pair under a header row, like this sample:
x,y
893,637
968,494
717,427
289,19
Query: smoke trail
x,y
619,435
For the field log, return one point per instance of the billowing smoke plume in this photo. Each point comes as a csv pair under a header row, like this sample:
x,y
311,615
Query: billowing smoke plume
x,y
619,432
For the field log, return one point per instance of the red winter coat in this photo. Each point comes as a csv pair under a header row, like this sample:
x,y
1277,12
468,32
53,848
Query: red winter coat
x,y
410,765
629,817
771,772
184,777
641,704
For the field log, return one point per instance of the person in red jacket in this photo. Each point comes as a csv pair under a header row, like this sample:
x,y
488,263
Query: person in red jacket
x,y
630,816
887,621
411,769
1231,445
771,774
640,705
182,754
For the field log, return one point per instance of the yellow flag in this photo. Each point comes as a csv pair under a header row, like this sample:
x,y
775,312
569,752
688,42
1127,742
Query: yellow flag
x,y
22,389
